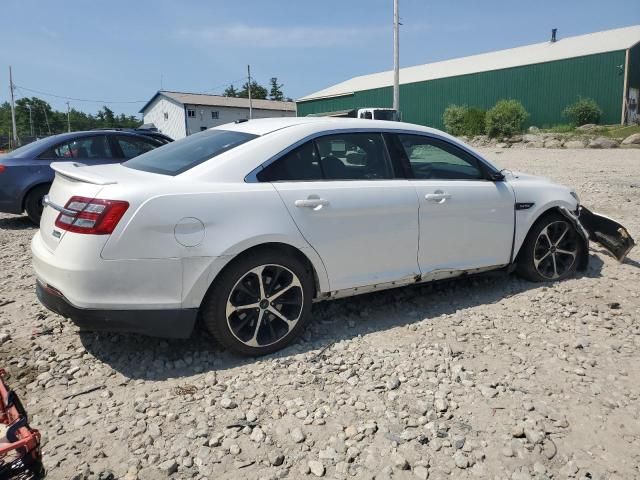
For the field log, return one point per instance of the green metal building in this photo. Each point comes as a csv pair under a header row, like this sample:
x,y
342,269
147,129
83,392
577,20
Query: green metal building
x,y
545,77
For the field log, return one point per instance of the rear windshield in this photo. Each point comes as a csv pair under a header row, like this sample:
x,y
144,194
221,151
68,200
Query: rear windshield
x,y
181,155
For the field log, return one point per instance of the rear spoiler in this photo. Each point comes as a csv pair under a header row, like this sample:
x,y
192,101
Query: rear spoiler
x,y
76,171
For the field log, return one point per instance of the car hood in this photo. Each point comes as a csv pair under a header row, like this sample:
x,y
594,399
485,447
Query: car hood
x,y
515,177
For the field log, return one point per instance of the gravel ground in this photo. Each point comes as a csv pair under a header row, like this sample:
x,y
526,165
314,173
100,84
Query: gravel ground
x,y
488,377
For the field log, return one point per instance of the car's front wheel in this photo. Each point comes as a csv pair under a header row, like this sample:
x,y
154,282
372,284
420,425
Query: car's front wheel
x,y
259,303
551,250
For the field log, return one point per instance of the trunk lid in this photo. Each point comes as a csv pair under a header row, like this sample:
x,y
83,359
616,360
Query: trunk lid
x,y
71,179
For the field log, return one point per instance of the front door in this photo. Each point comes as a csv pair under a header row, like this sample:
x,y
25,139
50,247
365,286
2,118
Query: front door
x,y
341,192
466,220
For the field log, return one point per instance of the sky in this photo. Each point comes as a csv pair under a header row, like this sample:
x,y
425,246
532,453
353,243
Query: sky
x,y
119,53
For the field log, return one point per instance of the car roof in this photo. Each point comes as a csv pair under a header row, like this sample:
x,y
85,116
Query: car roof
x,y
262,126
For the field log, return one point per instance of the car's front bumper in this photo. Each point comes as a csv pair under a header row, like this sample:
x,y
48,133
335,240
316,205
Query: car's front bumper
x,y
166,323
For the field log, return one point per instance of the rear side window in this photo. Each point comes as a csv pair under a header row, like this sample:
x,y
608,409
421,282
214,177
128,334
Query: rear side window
x,y
179,156
301,164
348,156
133,146
86,148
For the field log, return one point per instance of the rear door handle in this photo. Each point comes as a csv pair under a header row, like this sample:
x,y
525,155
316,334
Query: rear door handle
x,y
311,202
437,196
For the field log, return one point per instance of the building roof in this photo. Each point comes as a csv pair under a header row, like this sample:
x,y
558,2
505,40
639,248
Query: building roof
x,y
570,47
220,101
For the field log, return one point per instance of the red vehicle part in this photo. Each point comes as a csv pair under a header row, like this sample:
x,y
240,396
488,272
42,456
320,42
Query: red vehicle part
x,y
20,456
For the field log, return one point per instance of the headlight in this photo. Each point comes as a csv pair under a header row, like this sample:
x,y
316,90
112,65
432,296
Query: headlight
x,y
575,195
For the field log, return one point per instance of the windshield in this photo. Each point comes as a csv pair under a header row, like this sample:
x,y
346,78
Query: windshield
x,y
385,115
30,150
179,156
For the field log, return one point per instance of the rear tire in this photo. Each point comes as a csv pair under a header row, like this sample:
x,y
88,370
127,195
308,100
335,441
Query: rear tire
x,y
259,303
33,203
551,251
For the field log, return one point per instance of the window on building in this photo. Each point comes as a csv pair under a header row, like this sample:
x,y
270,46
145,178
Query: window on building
x,y
191,113
215,115
166,115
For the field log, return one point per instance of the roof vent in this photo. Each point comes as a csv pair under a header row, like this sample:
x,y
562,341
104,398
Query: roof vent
x,y
553,34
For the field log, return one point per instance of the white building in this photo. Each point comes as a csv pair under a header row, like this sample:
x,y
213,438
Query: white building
x,y
179,114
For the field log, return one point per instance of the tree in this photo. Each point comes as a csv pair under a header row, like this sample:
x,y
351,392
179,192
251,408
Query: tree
x,y
258,92
230,91
275,93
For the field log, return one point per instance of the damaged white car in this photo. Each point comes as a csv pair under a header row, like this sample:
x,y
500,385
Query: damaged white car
x,y
246,224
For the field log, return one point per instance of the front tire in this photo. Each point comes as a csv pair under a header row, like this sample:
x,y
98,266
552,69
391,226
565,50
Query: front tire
x,y
33,203
551,251
259,303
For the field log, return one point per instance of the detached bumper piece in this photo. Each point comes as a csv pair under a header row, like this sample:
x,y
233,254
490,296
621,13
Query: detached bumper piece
x,y
20,456
606,232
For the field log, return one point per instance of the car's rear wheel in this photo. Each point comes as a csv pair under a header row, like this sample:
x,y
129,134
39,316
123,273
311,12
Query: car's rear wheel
x,y
551,250
259,303
33,203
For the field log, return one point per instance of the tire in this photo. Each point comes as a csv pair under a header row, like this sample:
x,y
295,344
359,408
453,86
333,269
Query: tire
x,y
33,202
290,296
548,254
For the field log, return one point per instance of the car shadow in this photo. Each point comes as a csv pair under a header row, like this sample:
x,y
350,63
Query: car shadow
x,y
17,223
139,357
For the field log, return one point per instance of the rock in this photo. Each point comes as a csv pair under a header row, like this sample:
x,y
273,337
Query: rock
x,y
393,382
574,144
460,459
633,139
517,431
316,468
532,138
552,143
587,126
400,462
169,467
441,404
227,403
533,129
503,145
458,442
488,391
298,435
276,458
235,449
538,144
603,142
257,435
421,472
534,436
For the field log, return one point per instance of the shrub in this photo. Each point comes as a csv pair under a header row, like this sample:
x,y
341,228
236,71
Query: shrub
x,y
584,111
453,119
474,122
505,118
462,120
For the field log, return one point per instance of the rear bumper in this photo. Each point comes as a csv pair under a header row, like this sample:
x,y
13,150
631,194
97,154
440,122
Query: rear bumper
x,y
169,323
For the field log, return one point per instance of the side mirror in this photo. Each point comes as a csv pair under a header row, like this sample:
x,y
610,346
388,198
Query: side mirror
x,y
497,177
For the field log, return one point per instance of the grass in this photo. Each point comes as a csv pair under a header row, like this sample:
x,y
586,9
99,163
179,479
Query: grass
x,y
612,131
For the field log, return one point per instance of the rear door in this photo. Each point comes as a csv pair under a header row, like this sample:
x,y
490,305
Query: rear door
x,y
89,150
344,195
466,220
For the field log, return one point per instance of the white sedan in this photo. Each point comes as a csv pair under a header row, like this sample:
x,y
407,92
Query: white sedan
x,y
246,224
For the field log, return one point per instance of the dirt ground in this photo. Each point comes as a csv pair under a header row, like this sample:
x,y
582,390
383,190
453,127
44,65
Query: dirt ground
x,y
488,377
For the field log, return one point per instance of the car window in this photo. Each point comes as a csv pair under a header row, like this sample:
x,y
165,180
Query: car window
x,y
96,147
353,156
432,158
134,146
179,156
301,164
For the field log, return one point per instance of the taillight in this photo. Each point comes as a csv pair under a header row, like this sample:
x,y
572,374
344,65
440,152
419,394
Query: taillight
x,y
91,216
2,168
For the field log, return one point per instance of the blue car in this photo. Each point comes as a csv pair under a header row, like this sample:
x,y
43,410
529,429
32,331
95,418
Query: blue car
x,y
26,174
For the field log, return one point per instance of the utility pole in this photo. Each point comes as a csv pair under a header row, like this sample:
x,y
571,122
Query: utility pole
x,y
46,119
249,91
396,57
68,118
30,118
16,141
